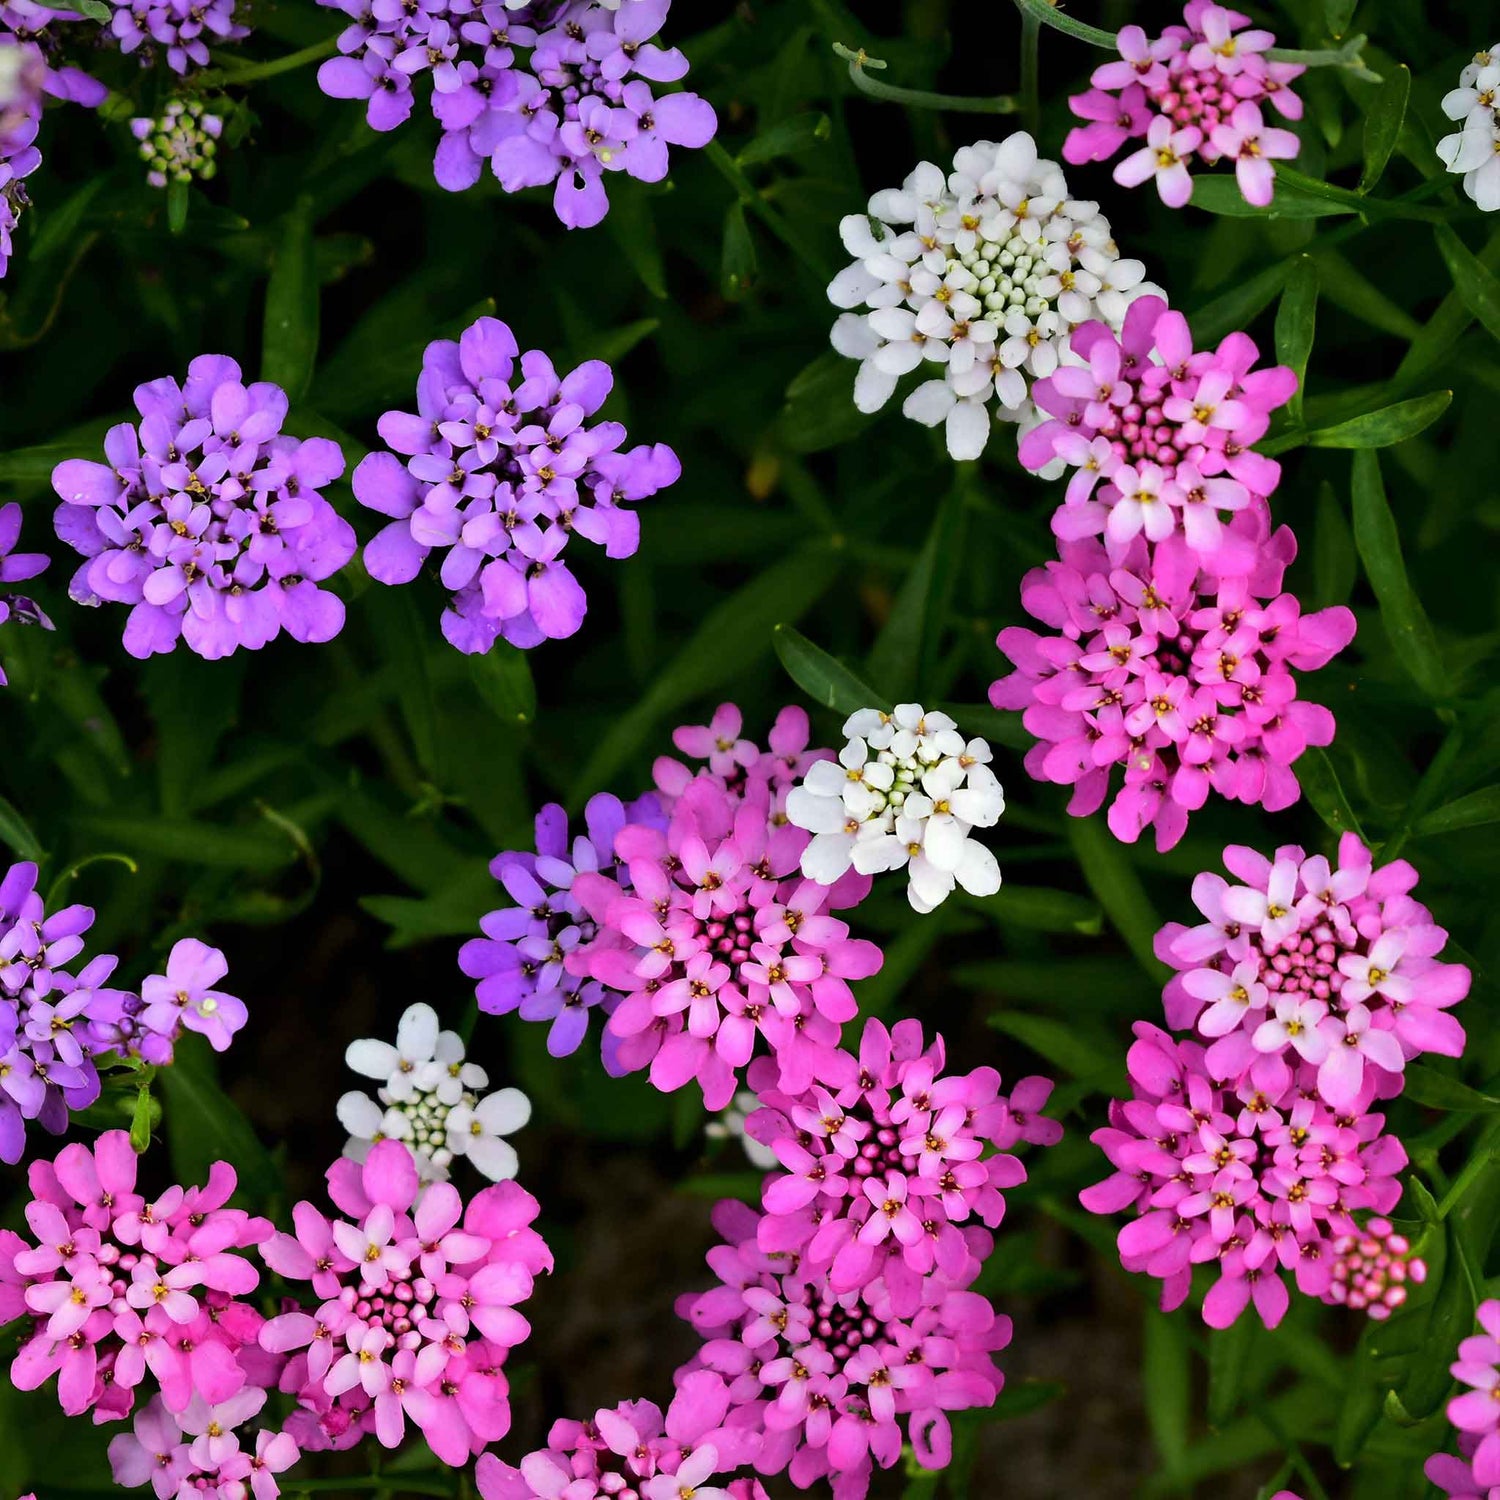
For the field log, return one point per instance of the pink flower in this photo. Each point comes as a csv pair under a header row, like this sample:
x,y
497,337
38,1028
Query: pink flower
x,y
1253,145
185,995
1164,157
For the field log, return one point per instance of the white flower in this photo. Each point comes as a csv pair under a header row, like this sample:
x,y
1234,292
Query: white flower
x,y
431,1098
1474,149
906,791
731,1126
984,273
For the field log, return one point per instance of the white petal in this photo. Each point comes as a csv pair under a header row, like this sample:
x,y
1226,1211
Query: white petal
x,y
978,871
416,1037
826,858
851,286
871,856
494,1158
968,430
945,842
929,885
372,1059
873,387
504,1112
805,809
930,403
853,337
360,1115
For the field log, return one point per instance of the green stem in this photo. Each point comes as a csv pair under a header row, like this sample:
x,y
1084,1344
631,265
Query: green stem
x,y
288,64
1031,96
1482,1159
753,199
1350,55
1046,13
860,61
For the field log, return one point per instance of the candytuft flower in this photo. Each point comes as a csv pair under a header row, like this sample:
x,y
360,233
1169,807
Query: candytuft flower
x,y
16,567
498,469
1194,94
207,519
984,272
906,792
179,145
1373,1269
182,29
1474,149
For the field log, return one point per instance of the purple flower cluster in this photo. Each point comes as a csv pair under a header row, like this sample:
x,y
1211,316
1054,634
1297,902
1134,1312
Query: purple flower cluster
x,y
207,520
1476,1414
182,29
552,91
55,1024
498,467
16,567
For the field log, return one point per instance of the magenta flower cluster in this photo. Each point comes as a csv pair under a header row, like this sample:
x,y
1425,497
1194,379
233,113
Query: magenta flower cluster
x,y
412,1308
498,468
207,519
547,92
1193,94
1255,1184
1475,1473
56,1024
17,567
692,927
179,29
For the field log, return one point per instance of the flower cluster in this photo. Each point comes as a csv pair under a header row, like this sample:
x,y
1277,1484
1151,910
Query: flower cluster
x,y
1476,1415
905,793
181,29
1193,94
684,918
521,961
55,1025
1372,1269
1308,965
197,1453
983,272
546,91
498,468
16,567
1257,1183
119,1290
206,519
1474,149
413,1310
180,145
1159,435
634,1450
1182,675
431,1099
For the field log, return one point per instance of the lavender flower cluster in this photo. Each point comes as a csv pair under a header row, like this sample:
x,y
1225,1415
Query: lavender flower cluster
x,y
207,520
552,91
500,467
16,567
55,1023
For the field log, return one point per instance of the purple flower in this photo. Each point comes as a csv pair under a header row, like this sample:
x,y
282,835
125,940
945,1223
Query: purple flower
x,y
14,568
497,468
181,28
207,519
547,93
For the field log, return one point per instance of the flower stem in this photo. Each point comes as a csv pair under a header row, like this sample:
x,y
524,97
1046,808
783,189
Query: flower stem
x,y
1046,13
255,72
1031,97
989,104
1350,55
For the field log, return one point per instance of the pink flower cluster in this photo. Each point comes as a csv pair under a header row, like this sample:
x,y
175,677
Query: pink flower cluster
x,y
1182,676
1476,1414
196,1454
413,1308
1194,94
696,922
126,1296
633,1452
1159,434
1372,1268
1316,970
1256,1183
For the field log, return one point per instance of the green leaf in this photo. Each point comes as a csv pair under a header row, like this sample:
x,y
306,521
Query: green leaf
x,y
1324,792
1390,424
57,892
16,834
143,1120
1338,14
1114,881
290,347
178,198
739,266
191,841
1220,194
1426,1381
1426,1085
731,636
503,677
1296,321
800,133
1040,910
1238,306
1363,1400
1335,561
1472,811
633,226
96,10
1477,287
825,679
204,1126
1228,1354
1383,118
1064,1045
1406,623
1168,1383
820,411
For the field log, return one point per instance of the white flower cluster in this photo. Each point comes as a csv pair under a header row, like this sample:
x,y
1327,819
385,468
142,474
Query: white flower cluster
x,y
986,272
906,791
1474,149
432,1099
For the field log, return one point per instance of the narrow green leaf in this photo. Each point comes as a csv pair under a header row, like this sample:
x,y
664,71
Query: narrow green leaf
x,y
1335,561
1383,120
1220,194
191,841
1477,287
739,266
1324,793
290,345
1406,623
1064,1045
1426,1085
906,648
143,1119
730,637
1362,1403
503,677
1040,909
1296,321
1114,881
96,10
178,197
1238,306
632,224
1472,811
787,137
1426,1381
1390,424
820,412
1168,1383
1228,1354
16,834
1000,726
1338,14
825,679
